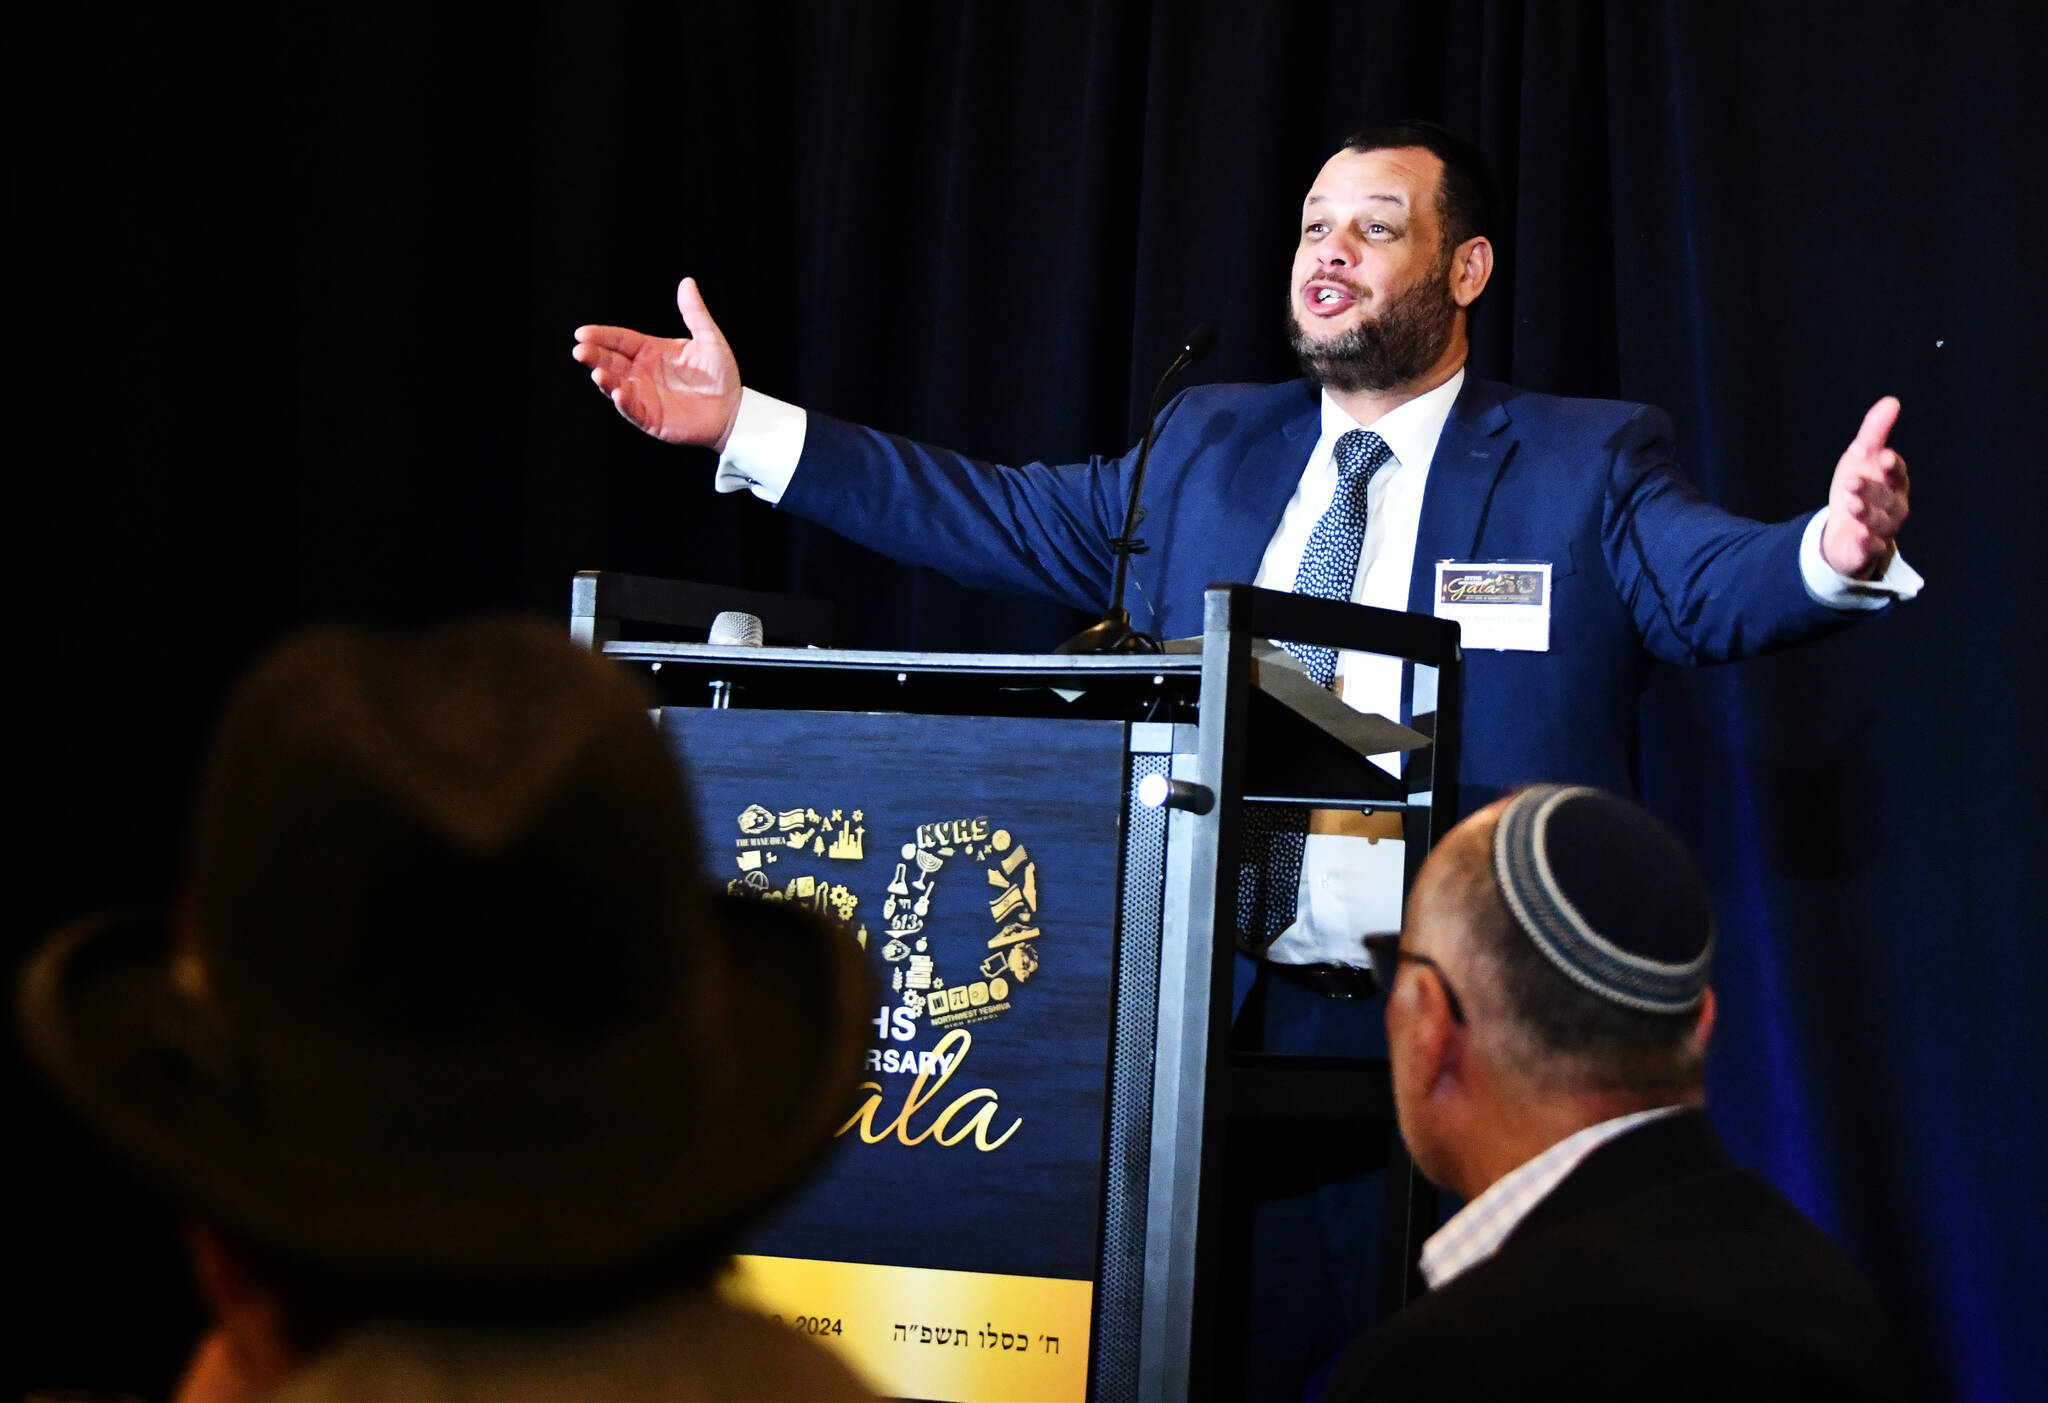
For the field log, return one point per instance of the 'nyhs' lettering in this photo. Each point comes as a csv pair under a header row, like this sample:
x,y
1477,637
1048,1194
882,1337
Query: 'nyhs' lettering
x,y
952,832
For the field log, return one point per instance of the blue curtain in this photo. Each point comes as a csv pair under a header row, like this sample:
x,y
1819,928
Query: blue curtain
x,y
294,294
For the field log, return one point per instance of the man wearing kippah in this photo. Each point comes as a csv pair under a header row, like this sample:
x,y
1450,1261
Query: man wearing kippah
x,y
1548,1016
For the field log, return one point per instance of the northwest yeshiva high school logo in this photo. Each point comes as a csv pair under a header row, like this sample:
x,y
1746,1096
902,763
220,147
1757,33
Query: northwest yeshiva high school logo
x,y
949,960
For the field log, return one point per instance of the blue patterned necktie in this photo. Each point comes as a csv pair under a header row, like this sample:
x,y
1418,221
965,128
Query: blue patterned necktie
x,y
1269,860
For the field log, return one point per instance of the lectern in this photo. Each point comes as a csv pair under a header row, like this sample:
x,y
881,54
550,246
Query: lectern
x,y
1026,1200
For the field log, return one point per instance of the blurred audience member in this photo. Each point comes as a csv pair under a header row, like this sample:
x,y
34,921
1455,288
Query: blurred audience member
x,y
465,1081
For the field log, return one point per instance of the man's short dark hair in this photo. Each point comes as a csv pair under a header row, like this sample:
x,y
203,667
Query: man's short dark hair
x,y
1466,198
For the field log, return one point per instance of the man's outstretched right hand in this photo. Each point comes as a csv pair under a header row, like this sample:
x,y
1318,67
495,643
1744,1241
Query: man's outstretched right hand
x,y
680,390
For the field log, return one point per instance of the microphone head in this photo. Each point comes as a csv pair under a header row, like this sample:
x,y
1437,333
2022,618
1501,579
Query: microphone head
x,y
735,629
1199,342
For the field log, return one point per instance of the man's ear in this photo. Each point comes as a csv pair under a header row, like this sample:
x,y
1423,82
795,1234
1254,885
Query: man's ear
x,y
249,1352
1471,270
224,1278
1703,1022
1439,1043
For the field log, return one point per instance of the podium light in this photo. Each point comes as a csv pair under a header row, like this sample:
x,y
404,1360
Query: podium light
x,y
1157,791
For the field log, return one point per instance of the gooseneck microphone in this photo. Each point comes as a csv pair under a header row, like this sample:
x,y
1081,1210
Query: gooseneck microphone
x,y
732,629
735,630
1114,634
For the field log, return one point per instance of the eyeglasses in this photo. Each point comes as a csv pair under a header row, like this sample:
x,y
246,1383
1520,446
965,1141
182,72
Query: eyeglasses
x,y
1386,955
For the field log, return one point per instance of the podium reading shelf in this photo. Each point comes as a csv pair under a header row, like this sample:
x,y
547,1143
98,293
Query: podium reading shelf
x,y
1024,1202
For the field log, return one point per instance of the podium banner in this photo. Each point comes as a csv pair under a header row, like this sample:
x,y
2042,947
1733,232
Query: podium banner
x,y
949,1244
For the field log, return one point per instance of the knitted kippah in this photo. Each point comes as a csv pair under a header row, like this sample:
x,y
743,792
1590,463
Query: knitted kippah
x,y
1608,894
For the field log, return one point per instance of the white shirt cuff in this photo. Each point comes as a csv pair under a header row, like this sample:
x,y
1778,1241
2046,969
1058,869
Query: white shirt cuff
x,y
767,440
1831,587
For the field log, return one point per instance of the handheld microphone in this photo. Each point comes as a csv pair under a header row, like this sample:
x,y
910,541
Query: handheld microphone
x,y
1114,634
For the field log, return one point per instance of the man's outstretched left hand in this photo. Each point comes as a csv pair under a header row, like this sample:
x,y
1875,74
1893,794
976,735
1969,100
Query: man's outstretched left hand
x,y
1867,500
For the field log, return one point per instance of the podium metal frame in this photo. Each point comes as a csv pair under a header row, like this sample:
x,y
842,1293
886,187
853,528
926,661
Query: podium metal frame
x,y
1237,743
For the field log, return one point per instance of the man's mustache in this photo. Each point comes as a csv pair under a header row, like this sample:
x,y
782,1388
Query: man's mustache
x,y
1351,287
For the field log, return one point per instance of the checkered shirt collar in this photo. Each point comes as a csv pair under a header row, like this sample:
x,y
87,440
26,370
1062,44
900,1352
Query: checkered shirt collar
x,y
1481,1226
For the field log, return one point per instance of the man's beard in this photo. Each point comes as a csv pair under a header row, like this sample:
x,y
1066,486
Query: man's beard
x,y
1405,338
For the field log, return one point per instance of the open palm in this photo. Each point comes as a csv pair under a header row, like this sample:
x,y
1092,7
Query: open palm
x,y
677,389
1869,498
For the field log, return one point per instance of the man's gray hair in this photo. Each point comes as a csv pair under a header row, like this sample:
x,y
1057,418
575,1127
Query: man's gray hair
x,y
1554,1030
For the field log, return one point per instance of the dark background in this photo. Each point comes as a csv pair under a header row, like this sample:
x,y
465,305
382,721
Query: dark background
x,y
291,301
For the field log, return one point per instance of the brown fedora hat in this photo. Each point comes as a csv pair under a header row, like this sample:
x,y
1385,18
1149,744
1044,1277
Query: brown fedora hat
x,y
448,1002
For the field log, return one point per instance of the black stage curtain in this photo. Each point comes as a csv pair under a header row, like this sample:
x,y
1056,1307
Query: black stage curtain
x,y
293,291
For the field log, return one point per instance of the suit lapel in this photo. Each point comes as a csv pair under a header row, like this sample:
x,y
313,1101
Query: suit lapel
x,y
1477,442
1258,491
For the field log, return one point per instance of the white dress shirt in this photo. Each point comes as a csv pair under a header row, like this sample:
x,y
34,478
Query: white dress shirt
x,y
1350,886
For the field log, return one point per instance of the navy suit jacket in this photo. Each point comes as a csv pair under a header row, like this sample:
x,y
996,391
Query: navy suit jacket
x,y
1643,566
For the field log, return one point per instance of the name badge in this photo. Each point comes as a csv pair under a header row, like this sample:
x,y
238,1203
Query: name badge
x,y
1499,604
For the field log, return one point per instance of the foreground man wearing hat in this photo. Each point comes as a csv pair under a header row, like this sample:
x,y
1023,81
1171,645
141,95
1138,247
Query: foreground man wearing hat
x,y
465,1080
1548,1019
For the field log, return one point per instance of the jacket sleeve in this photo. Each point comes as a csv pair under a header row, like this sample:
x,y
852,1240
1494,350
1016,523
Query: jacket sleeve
x,y
1702,584
1037,529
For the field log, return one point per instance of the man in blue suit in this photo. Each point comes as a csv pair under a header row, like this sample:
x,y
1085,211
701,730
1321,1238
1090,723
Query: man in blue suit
x,y
1394,251
1355,482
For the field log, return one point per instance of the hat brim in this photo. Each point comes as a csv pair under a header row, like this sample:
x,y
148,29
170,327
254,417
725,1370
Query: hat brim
x,y
494,1171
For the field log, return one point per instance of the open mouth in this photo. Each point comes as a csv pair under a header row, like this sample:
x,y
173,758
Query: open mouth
x,y
1327,299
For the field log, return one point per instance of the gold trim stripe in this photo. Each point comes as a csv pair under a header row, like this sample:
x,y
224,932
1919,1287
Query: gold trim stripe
x,y
919,1332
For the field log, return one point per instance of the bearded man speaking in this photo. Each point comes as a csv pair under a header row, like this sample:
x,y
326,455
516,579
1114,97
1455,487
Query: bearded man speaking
x,y
1356,483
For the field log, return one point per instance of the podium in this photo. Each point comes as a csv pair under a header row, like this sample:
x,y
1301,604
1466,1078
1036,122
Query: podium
x,y
1094,996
